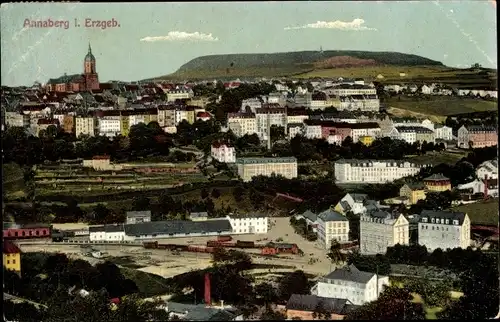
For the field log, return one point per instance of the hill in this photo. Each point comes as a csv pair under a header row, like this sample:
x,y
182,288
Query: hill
x,y
291,63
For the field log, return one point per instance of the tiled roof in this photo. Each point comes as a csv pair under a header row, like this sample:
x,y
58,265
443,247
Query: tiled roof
x,y
266,160
331,215
65,79
460,216
436,177
302,302
350,273
310,215
10,248
144,213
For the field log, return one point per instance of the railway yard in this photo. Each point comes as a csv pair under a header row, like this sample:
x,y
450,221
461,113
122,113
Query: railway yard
x,y
168,263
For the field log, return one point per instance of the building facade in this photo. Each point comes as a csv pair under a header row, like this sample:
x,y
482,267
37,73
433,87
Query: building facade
x,y
85,125
332,226
252,167
437,183
249,224
474,136
242,123
380,229
373,171
444,229
223,152
11,256
413,192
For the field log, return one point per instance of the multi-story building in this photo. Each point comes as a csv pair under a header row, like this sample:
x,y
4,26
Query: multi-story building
x,y
179,94
437,183
68,123
11,256
351,284
242,123
488,169
443,132
15,119
109,125
380,229
373,171
267,117
365,103
166,116
366,140
296,116
43,124
476,136
444,229
223,152
250,105
332,226
303,100
412,134
412,122
134,217
184,113
313,131
295,129
354,202
353,130
413,192
249,223
350,90
85,125
252,167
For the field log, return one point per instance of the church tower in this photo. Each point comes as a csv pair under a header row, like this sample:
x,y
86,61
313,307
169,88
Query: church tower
x,y
89,72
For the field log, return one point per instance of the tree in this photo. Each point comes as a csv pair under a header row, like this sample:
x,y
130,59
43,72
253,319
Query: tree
x,y
204,193
321,311
270,315
215,193
334,254
266,293
140,203
293,283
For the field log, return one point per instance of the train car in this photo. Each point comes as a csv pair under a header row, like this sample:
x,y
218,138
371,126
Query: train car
x,y
245,244
30,231
200,249
215,243
150,245
279,248
224,238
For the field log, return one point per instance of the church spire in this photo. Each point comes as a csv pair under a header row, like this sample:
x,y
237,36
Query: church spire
x,y
90,49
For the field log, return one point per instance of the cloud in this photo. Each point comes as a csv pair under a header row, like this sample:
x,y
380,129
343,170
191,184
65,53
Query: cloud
x,y
182,36
355,25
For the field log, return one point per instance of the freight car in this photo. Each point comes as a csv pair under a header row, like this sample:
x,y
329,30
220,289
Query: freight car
x,y
30,231
224,238
280,248
245,244
216,243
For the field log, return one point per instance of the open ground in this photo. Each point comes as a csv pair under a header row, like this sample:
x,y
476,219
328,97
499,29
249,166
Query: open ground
x,y
481,213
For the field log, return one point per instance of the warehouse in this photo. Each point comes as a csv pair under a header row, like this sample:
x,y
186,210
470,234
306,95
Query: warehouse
x,y
160,229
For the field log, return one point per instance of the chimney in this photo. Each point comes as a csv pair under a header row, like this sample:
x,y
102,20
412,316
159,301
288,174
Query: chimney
x,y
208,299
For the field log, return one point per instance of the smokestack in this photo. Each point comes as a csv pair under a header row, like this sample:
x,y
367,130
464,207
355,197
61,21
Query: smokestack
x,y
208,299
485,186
286,121
268,130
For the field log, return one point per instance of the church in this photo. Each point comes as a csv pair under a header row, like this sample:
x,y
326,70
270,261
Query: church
x,y
85,82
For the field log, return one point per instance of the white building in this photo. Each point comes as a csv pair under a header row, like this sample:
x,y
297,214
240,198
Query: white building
x,y
354,202
250,105
412,134
249,224
349,90
15,119
351,284
242,123
479,185
313,131
109,126
115,232
252,167
334,139
380,229
223,152
443,132
179,94
332,226
488,169
373,171
295,129
135,119
267,117
134,217
85,125
444,229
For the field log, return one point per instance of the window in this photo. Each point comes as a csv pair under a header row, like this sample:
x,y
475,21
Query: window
x,y
13,261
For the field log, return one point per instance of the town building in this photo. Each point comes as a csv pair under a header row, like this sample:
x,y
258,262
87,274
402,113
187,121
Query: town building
x,y
198,216
310,217
252,167
166,116
488,187
381,229
249,223
11,256
184,113
302,307
354,202
412,134
88,81
109,125
488,169
373,171
332,226
134,217
444,229
85,125
295,129
443,132
413,192
16,119
296,116
250,105
267,117
98,162
476,136
351,284
43,124
223,152
242,123
179,94
201,312
366,140
437,183
203,116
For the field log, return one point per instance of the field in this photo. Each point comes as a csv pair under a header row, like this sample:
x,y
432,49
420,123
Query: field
x,y
441,105
481,213
436,158
13,181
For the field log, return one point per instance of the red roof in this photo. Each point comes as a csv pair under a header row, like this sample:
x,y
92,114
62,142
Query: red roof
x,y
203,114
100,157
115,300
10,248
218,144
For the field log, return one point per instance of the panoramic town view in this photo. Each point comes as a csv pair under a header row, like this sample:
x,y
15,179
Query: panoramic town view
x,y
292,161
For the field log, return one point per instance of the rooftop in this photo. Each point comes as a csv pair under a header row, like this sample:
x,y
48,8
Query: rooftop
x,y
143,213
436,177
331,215
350,273
429,214
10,248
266,160
302,302
173,227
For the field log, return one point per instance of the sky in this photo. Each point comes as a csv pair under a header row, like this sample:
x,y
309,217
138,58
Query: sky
x,y
154,39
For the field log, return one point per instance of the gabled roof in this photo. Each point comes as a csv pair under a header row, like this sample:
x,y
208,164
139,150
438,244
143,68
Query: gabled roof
x,y
460,216
144,213
178,227
331,215
10,248
350,273
310,215
302,302
436,177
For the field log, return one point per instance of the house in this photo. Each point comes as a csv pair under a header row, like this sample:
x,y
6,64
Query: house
x,y
427,90
113,232
310,217
443,132
437,183
351,202
302,306
279,248
332,226
488,187
476,136
252,167
252,223
444,229
351,284
413,192
203,116
366,140
11,256
198,216
381,229
223,152
373,171
488,169
134,217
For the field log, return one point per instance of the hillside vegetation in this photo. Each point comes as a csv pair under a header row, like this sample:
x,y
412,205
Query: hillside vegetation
x,y
291,63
